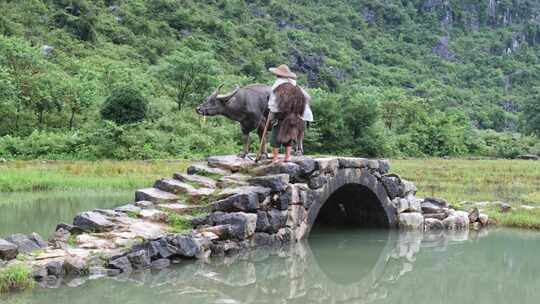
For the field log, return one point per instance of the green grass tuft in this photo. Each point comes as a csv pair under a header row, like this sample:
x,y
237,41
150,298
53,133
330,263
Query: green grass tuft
x,y
16,277
179,223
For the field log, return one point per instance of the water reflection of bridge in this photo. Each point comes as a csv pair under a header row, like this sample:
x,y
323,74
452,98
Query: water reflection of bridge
x,y
350,269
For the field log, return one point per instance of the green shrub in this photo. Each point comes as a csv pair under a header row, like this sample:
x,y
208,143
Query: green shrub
x,y
124,106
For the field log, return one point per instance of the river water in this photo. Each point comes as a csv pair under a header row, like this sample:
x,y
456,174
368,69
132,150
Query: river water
x,y
335,266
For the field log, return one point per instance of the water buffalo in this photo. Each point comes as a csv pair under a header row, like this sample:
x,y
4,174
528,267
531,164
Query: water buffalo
x,y
248,106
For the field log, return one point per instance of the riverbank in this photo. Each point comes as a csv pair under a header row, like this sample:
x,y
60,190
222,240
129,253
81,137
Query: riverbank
x,y
514,182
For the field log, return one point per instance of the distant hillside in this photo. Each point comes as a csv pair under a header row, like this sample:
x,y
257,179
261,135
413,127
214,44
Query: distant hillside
x,y
389,78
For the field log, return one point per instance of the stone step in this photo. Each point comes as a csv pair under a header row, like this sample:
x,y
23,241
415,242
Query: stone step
x,y
202,181
155,195
180,208
206,171
195,195
231,162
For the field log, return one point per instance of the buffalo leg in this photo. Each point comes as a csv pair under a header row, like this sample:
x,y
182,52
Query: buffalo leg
x,y
245,140
260,132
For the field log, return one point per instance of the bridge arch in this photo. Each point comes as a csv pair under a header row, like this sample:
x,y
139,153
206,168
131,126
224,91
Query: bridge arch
x,y
352,197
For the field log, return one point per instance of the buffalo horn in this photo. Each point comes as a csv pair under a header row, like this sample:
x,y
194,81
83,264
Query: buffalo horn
x,y
230,95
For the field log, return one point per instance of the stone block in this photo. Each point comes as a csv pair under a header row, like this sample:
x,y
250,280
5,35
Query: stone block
x,y
8,251
352,162
243,225
245,202
411,221
276,182
27,243
93,221
327,166
155,195
203,181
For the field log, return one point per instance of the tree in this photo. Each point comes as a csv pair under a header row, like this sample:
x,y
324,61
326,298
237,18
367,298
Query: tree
x,y
531,113
189,74
125,105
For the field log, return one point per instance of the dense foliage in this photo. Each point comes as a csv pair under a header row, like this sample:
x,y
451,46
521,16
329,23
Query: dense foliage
x,y
389,78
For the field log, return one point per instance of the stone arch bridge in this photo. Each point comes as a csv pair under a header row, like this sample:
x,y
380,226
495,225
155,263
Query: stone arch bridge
x,y
254,205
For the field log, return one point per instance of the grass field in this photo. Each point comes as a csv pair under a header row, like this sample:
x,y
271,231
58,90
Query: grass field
x,y
513,181
18,176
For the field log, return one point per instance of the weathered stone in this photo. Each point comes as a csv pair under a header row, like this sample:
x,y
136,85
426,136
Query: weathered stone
x,y
295,215
55,268
222,232
27,243
8,251
178,187
373,164
92,221
277,219
407,188
276,183
39,272
242,224
121,263
155,195
186,246
392,185
408,204
283,201
130,208
307,165
458,221
260,191
154,215
351,162
144,204
285,235
291,169
75,266
432,224
504,207
230,162
327,166
384,166
434,205
199,221
246,202
438,216
206,171
139,259
474,214
263,223
160,264
317,182
411,221
71,228
483,219
203,181
179,208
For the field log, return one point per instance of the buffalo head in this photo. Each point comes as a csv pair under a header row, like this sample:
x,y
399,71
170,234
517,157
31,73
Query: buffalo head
x,y
215,104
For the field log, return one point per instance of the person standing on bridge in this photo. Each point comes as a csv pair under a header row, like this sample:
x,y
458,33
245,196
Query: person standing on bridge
x,y
289,111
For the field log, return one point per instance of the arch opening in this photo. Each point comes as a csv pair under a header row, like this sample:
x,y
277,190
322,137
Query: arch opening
x,y
352,205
